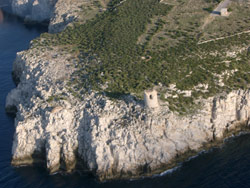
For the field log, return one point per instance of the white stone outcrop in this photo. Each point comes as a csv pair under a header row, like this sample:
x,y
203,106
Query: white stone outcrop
x,y
34,10
59,13
115,139
65,12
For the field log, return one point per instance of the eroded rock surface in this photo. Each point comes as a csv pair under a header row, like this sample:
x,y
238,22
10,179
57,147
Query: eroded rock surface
x,y
115,138
67,11
63,15
59,13
34,10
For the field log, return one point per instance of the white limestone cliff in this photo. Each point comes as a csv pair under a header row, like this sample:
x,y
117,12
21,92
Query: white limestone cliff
x,y
35,10
115,139
59,13
65,12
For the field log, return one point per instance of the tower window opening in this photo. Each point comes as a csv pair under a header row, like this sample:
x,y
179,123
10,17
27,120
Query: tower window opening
x,y
150,96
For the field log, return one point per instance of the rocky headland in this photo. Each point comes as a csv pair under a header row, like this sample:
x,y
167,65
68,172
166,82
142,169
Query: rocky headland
x,y
112,138
58,13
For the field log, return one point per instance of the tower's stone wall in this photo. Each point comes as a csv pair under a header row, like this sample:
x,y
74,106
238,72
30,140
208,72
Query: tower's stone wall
x,y
151,99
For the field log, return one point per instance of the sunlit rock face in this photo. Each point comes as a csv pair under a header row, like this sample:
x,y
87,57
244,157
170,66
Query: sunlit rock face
x,y
114,139
65,12
59,13
33,10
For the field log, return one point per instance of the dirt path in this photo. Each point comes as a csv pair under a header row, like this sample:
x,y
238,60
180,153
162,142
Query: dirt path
x,y
220,38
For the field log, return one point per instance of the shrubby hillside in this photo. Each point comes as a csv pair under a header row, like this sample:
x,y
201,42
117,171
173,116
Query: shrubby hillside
x,y
139,44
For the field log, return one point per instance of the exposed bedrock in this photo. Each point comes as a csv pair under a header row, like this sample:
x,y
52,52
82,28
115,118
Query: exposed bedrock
x,y
115,139
59,13
34,10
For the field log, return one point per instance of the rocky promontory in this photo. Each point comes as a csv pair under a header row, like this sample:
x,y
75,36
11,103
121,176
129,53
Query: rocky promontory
x,y
38,10
59,13
113,138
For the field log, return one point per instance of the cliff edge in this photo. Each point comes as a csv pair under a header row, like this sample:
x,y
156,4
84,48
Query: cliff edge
x,y
113,138
58,13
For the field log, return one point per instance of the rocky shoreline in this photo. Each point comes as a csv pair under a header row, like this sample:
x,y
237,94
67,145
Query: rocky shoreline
x,y
113,138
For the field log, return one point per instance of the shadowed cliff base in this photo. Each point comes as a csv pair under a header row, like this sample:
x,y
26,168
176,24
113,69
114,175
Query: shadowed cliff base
x,y
61,97
80,166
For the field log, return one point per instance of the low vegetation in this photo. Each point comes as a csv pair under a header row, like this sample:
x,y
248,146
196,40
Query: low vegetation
x,y
133,46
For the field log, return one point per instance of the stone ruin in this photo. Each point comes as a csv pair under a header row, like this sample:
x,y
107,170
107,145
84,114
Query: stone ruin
x,y
151,98
224,12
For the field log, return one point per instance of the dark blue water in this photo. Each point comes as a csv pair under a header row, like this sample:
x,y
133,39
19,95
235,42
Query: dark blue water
x,y
225,167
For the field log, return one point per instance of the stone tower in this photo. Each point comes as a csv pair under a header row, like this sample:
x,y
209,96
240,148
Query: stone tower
x,y
151,99
224,12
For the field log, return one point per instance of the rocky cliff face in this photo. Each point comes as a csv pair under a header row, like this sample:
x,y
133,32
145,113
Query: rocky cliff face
x,y
35,10
59,13
115,139
65,12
